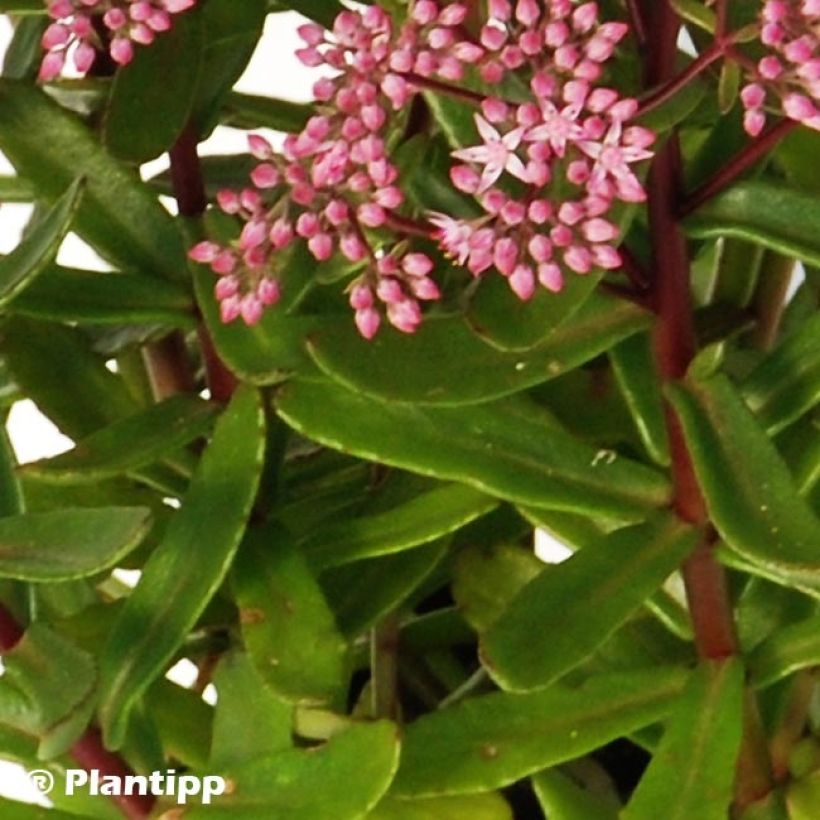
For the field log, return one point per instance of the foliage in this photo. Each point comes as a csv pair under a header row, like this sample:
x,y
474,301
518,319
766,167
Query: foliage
x,y
338,531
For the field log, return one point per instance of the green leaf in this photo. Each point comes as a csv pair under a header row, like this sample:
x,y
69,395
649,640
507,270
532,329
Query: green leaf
x,y
564,799
38,249
44,358
500,317
152,97
486,578
694,11
791,648
493,740
635,370
772,215
749,491
786,384
692,774
343,779
53,681
424,518
65,544
119,215
11,493
182,720
231,31
186,569
445,363
360,594
251,722
12,810
475,807
506,448
249,111
87,297
264,354
578,604
287,626
131,443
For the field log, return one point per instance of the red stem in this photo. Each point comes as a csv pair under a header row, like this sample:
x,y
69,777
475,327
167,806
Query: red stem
x,y
694,69
88,751
444,88
192,200
737,166
633,8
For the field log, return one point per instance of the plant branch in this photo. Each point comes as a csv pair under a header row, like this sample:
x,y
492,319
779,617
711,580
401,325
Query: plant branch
x,y
737,166
189,189
384,666
88,751
693,70
705,580
776,274
633,8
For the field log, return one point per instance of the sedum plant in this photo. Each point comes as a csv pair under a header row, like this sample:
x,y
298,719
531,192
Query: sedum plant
x,y
523,266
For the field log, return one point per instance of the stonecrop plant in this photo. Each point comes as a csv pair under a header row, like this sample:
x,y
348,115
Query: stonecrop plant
x,y
461,436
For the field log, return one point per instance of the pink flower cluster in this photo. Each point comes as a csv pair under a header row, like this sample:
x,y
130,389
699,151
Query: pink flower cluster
x,y
334,187
791,70
126,21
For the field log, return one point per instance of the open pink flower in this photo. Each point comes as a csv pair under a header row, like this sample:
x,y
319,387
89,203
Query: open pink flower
x,y
496,154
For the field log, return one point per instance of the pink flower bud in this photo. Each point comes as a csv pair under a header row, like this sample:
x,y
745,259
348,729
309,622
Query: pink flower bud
x,y
265,176
367,322
372,215
493,38
321,246
260,147
404,316
425,289
799,107
51,66
599,230
307,226
522,282
178,6
352,248
540,211
390,291
253,234
55,35
417,264
500,10
585,17
607,257
204,252
140,33
224,264
267,291
251,309
122,51
527,12
226,287
556,34
578,259
361,297
465,179
424,12
505,256
230,309
540,248
311,33
754,121
550,277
